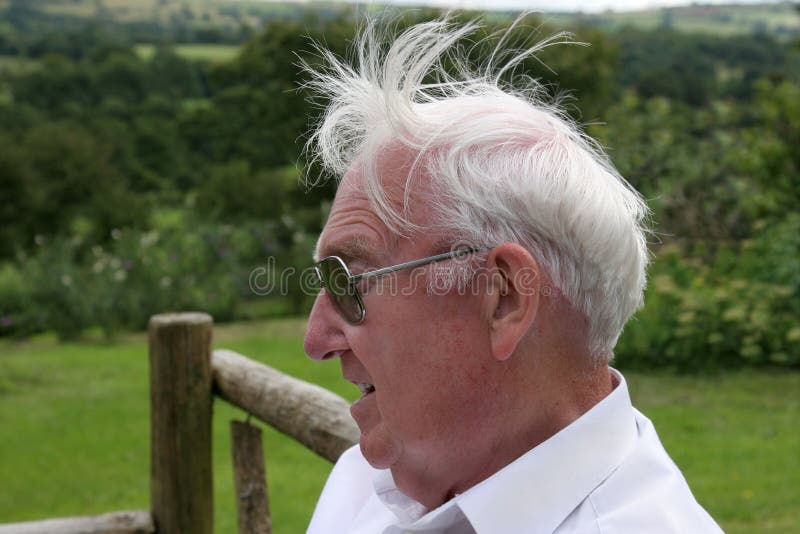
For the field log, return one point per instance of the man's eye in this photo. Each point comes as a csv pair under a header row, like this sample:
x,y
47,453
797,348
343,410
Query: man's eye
x,y
358,267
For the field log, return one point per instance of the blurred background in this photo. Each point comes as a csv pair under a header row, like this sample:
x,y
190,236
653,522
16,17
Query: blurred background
x,y
150,160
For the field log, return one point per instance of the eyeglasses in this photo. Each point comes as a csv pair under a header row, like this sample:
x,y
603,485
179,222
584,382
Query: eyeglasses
x,y
333,275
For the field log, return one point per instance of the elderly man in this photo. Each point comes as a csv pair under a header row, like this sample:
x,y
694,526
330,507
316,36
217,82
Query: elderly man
x,y
479,263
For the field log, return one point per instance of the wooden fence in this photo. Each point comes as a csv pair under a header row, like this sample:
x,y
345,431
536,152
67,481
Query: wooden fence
x,y
185,376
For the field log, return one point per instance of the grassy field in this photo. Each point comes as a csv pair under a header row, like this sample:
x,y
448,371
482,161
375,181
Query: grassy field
x,y
215,53
724,20
217,13
75,433
212,53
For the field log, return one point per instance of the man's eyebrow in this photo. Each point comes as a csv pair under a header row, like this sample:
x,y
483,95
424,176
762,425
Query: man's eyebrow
x,y
355,248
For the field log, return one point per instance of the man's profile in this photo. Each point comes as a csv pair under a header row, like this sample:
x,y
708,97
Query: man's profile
x,y
479,263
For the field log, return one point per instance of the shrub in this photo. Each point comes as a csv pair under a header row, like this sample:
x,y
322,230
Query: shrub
x,y
16,312
68,286
738,309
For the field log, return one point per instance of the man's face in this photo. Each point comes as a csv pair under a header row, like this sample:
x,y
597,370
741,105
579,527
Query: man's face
x,y
425,354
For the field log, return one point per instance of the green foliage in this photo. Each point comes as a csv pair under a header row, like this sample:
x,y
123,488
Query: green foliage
x,y
16,313
711,174
740,308
234,192
57,173
197,144
694,69
67,287
16,182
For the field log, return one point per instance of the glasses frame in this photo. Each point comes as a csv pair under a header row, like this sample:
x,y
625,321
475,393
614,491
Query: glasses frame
x,y
354,279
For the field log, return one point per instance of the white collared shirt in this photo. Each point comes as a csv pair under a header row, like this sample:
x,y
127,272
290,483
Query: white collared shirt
x,y
605,473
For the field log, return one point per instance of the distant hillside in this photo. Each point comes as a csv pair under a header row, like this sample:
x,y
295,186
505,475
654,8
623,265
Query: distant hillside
x,y
777,19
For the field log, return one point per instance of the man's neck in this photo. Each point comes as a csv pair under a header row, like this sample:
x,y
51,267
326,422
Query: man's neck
x,y
540,409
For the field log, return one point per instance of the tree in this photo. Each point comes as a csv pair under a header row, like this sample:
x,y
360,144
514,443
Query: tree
x,y
18,189
75,178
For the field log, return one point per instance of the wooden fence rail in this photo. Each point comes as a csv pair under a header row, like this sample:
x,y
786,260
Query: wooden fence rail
x,y
312,415
134,522
185,375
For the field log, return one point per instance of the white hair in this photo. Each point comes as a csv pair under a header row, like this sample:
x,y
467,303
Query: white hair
x,y
504,165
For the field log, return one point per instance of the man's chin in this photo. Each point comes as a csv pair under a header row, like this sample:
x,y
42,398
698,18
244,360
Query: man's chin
x,y
379,447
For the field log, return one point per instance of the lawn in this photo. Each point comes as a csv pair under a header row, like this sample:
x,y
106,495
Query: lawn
x,y
75,433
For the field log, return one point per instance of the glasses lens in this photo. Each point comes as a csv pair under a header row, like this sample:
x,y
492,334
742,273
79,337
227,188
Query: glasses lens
x,y
344,295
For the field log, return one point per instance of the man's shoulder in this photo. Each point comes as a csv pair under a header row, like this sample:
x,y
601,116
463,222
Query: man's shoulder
x,y
646,493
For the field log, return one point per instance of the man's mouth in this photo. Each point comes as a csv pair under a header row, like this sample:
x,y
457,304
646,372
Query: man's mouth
x,y
365,388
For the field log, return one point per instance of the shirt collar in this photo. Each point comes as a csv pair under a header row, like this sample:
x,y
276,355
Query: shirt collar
x,y
410,513
537,491
404,507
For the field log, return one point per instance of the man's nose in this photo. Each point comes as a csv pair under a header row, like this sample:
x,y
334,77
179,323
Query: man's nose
x,y
324,337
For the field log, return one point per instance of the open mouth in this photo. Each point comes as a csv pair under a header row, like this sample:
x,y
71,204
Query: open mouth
x,y
365,388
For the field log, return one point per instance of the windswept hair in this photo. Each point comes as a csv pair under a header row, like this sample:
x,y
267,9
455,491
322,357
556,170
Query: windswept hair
x,y
505,164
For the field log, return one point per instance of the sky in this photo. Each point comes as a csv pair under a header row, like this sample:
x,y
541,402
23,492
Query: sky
x,y
562,5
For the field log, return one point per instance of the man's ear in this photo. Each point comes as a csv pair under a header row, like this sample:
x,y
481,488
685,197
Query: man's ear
x,y
512,297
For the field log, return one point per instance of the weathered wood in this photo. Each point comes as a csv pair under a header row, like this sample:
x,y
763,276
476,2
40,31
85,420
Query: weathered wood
x,y
312,415
249,476
180,401
128,522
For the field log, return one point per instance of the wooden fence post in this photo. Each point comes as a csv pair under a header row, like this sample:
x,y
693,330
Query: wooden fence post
x,y
249,475
181,491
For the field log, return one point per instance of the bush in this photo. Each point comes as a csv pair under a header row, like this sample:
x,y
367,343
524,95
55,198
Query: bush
x,y
738,309
15,302
68,286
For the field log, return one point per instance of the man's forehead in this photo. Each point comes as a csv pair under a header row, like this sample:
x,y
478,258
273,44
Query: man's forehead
x,y
393,167
354,230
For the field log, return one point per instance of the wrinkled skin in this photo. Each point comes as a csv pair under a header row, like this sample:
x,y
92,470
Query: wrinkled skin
x,y
464,382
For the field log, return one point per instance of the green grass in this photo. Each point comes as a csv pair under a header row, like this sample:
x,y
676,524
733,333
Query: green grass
x,y
75,433
736,437
76,428
214,53
17,65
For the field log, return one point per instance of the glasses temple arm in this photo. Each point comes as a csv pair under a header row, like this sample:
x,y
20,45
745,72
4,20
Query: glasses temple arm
x,y
415,263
